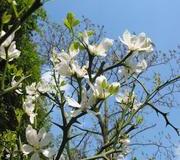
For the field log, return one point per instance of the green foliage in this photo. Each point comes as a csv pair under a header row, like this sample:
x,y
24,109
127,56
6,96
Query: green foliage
x,y
139,120
6,17
12,116
70,21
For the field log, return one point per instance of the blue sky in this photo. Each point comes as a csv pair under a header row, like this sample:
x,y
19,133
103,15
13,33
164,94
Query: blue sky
x,y
160,19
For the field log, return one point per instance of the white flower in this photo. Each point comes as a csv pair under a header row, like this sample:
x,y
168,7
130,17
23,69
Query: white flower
x,y
14,83
12,52
133,67
51,78
139,43
97,50
80,72
8,41
62,63
85,37
10,45
29,108
43,87
37,143
65,64
29,103
102,89
64,69
83,106
128,100
31,90
141,66
73,51
102,48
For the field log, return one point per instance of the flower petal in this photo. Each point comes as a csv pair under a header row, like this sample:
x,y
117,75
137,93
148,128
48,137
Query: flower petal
x,y
46,139
49,152
35,156
31,136
41,132
26,149
72,102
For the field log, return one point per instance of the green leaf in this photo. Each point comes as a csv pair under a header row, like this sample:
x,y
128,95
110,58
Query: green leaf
x,y
6,18
70,17
29,3
76,22
104,84
9,1
74,46
70,21
66,23
139,119
90,33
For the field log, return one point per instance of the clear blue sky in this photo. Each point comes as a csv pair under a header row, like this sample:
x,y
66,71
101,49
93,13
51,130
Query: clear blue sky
x,y
160,19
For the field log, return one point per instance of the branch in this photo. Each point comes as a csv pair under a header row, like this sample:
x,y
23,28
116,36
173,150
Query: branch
x,y
37,4
87,130
121,63
165,116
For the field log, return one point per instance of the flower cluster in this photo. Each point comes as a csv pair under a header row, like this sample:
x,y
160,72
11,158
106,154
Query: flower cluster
x,y
102,89
128,100
65,64
92,89
135,64
33,92
8,49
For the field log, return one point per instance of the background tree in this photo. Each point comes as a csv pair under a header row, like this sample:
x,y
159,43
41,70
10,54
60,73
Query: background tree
x,y
84,83
11,113
56,36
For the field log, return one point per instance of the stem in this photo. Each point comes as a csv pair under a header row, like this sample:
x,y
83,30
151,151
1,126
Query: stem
x,y
37,4
63,144
121,63
4,74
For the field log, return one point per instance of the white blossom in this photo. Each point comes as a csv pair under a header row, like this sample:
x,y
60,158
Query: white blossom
x,y
8,49
29,108
133,67
139,43
125,141
9,40
14,83
29,103
128,100
37,143
43,87
80,72
83,106
62,63
65,64
101,48
102,89
31,90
